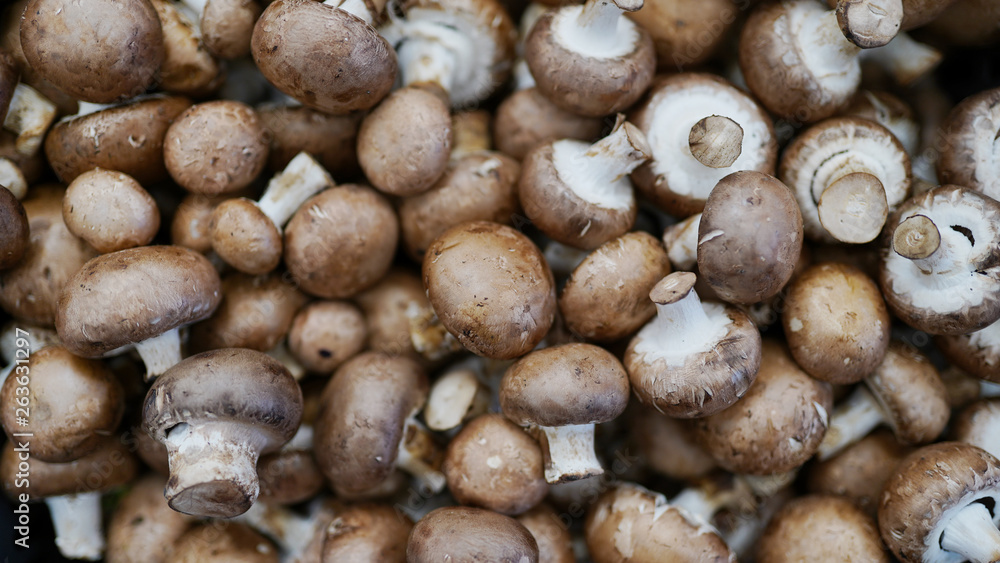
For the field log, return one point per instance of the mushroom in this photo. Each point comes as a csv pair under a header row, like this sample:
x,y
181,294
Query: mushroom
x,y
749,237
564,391
367,532
72,491
325,334
26,112
366,426
977,352
462,533
674,179
189,226
776,426
491,288
188,68
14,232
456,397
226,26
903,391
494,464
290,475
341,241
836,323
127,138
821,528
74,403
12,178
330,139
220,541
860,470
215,147
668,445
292,34
940,503
631,523
143,528
526,119
846,173
550,532
968,23
76,48
939,272
110,211
606,297
217,412
968,157
687,33
694,359
247,234
389,308
976,424
590,60
891,112
139,296
580,194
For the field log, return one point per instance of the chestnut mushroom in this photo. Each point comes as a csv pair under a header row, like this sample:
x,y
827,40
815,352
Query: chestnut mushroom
x,y
217,412
860,470
330,139
462,533
221,541
821,528
457,396
977,352
188,68
694,359
110,210
325,334
526,119
143,527
366,532
226,26
967,137
668,445
564,391
976,424
14,232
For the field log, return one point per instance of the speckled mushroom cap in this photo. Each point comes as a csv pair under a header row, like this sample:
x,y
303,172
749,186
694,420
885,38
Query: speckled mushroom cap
x,y
207,543
976,352
910,391
132,295
828,150
227,26
110,210
919,12
631,523
821,528
491,287
674,180
968,136
928,488
143,525
98,51
74,403
777,425
962,293
462,533
977,424
323,56
564,385
110,465
367,532
859,472
362,416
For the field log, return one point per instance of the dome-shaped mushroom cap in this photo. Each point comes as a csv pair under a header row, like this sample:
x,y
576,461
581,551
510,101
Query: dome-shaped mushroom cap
x,y
565,385
929,487
239,385
968,135
911,393
110,465
460,533
822,528
132,295
324,57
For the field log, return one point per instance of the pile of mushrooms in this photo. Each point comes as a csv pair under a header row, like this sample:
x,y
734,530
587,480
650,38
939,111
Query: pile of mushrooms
x,y
309,281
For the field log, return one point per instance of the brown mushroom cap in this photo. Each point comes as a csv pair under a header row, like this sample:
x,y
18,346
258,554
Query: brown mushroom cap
x,y
911,393
362,418
929,487
749,237
367,532
630,523
341,241
967,154
110,465
564,385
821,528
215,147
860,471
227,26
286,49
976,424
14,232
491,288
101,51
550,532
776,426
686,32
526,119
74,403
190,224
222,541
494,464
668,445
289,475
188,68
332,139
607,296
836,322
244,237
126,138
462,533
976,352
110,210
143,527
324,334
132,295
387,306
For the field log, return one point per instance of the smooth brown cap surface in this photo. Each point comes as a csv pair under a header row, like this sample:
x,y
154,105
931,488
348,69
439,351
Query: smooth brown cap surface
x,y
331,139
132,295
110,210
14,232
222,541
110,465
367,532
190,224
143,527
550,532
911,393
244,237
860,471
324,334
227,26
386,305
461,533
289,476
526,119
821,528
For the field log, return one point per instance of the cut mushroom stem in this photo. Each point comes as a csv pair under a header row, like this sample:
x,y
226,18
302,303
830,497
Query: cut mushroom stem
x,y
29,116
853,207
597,24
870,23
212,463
420,456
853,419
916,238
301,179
907,60
160,353
570,454
679,313
716,141
972,534
455,397
603,163
77,523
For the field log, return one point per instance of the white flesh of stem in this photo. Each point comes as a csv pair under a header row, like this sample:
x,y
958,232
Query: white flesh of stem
x,y
682,329
571,452
160,353
77,523
301,179
852,420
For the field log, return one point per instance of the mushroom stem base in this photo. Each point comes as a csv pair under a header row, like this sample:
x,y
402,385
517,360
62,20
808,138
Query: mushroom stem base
x,y
77,523
160,353
569,453
972,534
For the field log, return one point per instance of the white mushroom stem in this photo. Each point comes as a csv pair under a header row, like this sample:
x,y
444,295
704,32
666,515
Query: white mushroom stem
x,y
288,529
420,456
681,241
29,116
434,53
196,6
972,534
598,173
12,178
455,397
301,179
77,523
596,27
988,389
706,501
569,454
357,8
907,60
523,79
160,353
852,420
824,48
87,108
